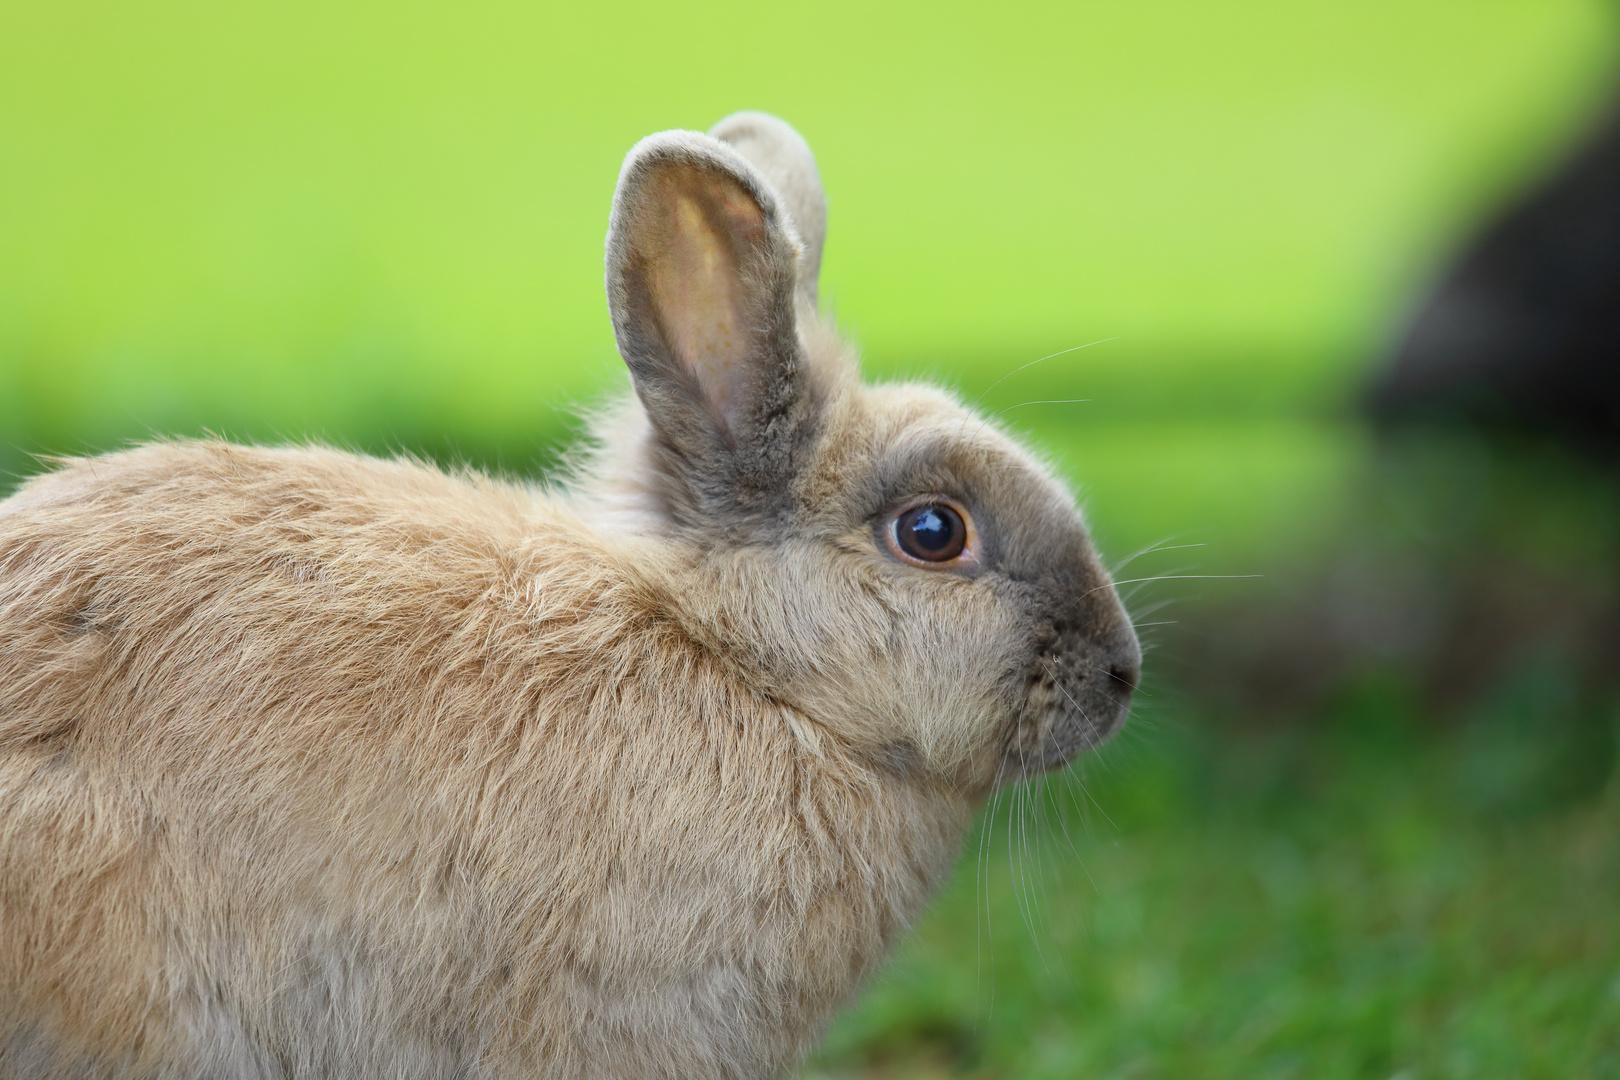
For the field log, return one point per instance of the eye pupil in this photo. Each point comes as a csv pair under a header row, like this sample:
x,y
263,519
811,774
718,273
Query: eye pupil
x,y
932,533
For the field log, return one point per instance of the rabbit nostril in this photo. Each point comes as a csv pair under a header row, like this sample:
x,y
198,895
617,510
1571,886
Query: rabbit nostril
x,y
1125,676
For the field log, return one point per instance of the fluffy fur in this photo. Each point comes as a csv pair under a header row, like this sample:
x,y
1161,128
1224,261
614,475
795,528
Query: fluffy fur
x,y
315,765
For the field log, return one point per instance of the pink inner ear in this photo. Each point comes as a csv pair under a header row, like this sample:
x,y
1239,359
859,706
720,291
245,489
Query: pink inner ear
x,y
698,281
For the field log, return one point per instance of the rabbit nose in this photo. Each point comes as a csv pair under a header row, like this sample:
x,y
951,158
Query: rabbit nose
x,y
1125,677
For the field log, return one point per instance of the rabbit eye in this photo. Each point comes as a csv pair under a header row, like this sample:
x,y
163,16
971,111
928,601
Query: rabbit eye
x,y
929,534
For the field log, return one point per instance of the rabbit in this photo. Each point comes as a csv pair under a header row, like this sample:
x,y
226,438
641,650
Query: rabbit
x,y
319,765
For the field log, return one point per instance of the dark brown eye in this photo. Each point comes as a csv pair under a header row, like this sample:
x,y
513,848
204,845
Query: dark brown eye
x,y
931,533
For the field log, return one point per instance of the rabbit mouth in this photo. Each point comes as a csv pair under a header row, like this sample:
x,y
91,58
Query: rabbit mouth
x,y
1073,701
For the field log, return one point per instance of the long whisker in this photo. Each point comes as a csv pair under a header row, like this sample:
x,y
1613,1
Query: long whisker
x,y
1087,719
1042,360
982,864
1015,841
1152,549
1044,401
1173,577
1154,608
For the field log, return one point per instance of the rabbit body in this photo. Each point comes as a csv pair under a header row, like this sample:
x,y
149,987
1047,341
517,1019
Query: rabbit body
x,y
316,765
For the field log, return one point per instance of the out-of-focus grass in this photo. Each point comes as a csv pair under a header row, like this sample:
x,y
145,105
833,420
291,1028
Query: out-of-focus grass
x,y
1358,898
383,222
1231,497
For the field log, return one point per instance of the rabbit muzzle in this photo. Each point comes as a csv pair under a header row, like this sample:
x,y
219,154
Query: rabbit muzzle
x,y
1077,693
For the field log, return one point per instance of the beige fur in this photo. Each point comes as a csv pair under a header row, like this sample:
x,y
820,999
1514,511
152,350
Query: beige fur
x,y
315,765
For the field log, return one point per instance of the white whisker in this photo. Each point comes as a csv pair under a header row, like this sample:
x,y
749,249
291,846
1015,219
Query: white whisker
x,y
1173,577
1042,360
1044,401
1152,549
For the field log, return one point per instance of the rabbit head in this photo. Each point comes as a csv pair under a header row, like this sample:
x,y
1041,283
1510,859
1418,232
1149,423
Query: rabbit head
x,y
882,559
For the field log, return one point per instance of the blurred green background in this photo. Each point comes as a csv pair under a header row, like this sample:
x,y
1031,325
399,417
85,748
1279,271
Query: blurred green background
x,y
381,225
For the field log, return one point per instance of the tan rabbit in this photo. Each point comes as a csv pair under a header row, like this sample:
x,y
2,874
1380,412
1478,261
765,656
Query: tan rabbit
x,y
315,765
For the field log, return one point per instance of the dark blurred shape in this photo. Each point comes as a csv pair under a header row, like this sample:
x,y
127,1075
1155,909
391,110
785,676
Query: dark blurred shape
x,y
1476,570
1523,333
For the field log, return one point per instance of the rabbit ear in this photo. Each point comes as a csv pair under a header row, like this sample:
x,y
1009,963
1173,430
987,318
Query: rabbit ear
x,y
784,159
700,281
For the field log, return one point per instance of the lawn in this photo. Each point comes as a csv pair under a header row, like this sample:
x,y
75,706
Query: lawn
x,y
1354,897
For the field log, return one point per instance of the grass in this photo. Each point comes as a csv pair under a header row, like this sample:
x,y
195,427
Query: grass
x,y
1355,897
383,222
